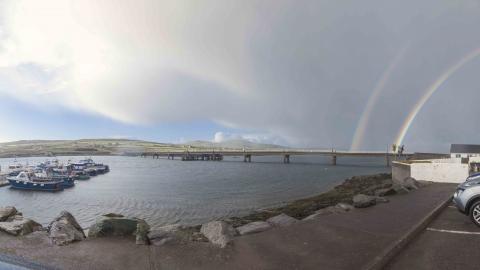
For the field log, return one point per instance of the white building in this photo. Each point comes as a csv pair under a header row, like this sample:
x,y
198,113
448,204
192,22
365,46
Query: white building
x,y
464,159
464,150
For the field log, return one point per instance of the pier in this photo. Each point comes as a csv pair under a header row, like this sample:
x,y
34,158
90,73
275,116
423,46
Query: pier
x,y
284,154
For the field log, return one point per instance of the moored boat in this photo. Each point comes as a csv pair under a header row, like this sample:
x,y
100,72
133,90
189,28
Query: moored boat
x,y
29,181
80,175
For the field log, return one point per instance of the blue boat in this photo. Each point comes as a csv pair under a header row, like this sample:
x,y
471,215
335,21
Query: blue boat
x,y
67,181
28,181
61,175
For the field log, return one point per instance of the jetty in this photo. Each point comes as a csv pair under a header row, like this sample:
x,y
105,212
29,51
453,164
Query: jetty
x,y
283,154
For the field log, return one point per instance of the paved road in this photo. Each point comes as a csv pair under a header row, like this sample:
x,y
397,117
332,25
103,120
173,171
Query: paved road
x,y
451,241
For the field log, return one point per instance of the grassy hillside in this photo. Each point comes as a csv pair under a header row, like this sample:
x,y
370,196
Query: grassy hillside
x,y
89,147
235,144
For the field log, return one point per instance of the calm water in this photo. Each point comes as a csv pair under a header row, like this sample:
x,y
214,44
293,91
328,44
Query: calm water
x,y
167,192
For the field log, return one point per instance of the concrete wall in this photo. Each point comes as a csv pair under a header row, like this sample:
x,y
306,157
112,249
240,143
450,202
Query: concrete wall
x,y
453,172
400,171
440,172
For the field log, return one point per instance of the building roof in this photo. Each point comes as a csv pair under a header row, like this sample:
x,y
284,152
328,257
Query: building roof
x,y
465,148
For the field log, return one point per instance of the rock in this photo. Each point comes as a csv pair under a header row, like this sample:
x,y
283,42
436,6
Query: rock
x,y
385,192
20,226
141,234
329,210
423,183
17,216
282,220
113,215
113,225
160,237
313,216
399,189
254,227
363,201
345,206
410,183
6,212
381,200
172,228
218,233
64,230
340,208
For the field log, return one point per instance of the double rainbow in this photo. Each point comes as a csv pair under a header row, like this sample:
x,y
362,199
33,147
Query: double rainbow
x,y
379,87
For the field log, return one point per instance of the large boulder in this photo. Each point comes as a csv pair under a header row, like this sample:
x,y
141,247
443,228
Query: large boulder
x,y
218,233
6,212
340,208
399,189
381,200
254,227
345,207
141,234
160,237
282,220
64,230
385,192
363,201
410,183
20,226
113,225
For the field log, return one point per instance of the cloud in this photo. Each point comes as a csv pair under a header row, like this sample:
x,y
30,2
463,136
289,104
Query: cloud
x,y
298,72
220,137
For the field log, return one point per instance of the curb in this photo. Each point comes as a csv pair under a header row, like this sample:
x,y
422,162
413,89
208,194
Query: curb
x,y
394,249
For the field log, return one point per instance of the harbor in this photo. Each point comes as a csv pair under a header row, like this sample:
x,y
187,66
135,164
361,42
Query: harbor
x,y
166,192
50,175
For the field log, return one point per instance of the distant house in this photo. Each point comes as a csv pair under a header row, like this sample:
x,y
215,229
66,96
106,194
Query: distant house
x,y
464,150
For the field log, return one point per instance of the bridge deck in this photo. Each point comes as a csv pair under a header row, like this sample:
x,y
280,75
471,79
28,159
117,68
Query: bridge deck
x,y
276,153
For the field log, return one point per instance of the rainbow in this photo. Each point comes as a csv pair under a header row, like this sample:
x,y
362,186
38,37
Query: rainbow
x,y
373,99
430,91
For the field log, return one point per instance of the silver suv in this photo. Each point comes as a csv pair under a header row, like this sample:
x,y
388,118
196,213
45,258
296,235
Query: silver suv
x,y
467,198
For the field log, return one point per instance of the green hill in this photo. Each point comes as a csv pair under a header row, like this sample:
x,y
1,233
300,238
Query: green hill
x,y
91,147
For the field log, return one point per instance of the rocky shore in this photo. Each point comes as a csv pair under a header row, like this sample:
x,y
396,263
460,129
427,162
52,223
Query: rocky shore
x,y
356,192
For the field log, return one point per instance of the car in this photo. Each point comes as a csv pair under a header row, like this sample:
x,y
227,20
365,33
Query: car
x,y
467,198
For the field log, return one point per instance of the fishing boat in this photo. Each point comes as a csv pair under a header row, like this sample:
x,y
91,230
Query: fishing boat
x,y
67,181
90,167
58,172
80,175
14,169
29,181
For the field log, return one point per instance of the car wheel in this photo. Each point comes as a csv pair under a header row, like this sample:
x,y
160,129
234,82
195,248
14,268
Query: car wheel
x,y
475,213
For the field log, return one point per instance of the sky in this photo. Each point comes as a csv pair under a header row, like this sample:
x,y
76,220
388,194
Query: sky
x,y
349,74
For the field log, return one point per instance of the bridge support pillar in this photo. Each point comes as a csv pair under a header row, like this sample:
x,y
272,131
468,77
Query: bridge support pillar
x,y
247,158
388,160
286,159
334,160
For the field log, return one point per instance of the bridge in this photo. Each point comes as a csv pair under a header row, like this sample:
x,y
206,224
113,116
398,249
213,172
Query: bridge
x,y
284,154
